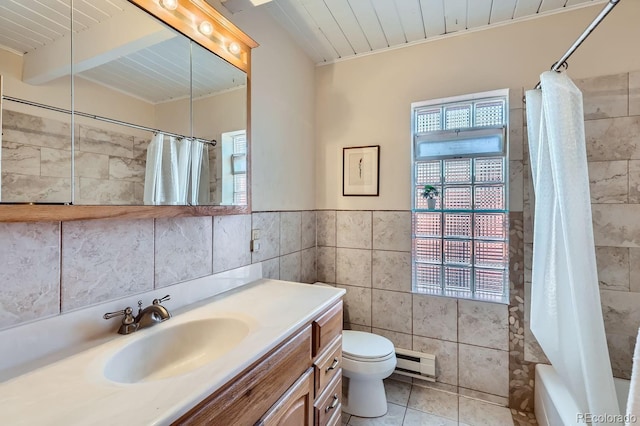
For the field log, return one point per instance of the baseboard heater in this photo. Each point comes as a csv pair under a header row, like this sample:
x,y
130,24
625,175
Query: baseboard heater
x,y
416,364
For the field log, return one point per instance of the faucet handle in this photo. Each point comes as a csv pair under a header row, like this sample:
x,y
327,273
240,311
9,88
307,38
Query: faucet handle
x,y
162,299
126,312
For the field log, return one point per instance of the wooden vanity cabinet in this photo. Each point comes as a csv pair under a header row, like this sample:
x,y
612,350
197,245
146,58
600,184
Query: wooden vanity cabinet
x,y
296,384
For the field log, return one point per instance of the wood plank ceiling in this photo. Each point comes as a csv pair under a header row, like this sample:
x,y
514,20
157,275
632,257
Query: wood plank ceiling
x,y
331,30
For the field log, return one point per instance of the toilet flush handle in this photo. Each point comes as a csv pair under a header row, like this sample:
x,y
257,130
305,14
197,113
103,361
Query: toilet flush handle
x,y
333,365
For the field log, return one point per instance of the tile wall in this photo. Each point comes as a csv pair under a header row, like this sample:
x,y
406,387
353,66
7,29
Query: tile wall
x,y
52,268
612,125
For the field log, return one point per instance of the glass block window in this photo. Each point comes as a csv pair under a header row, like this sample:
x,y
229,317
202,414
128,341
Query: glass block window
x,y
461,244
240,179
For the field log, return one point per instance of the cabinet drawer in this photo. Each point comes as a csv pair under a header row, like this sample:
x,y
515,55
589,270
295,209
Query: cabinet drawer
x,y
327,364
329,402
326,328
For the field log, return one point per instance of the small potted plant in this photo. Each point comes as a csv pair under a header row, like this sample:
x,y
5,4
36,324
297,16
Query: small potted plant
x,y
430,193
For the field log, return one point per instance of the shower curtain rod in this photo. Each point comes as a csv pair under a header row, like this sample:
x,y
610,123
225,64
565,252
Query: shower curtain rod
x,y
105,119
563,61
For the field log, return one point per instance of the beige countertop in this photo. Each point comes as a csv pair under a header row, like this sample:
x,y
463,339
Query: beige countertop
x,y
74,390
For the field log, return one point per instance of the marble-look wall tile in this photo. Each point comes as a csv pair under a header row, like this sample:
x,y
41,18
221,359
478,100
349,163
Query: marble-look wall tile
x,y
231,239
308,229
30,273
392,230
25,189
308,266
516,95
613,268
127,169
99,141
357,305
140,146
271,268
399,340
326,224
353,229
634,93
621,349
634,181
613,139
483,369
37,131
391,310
621,312
605,96
516,186
435,317
516,134
483,324
183,249
616,225
99,192
357,327
92,165
105,259
391,270
634,269
20,158
268,224
446,357
55,162
290,232
353,267
290,267
326,264
609,181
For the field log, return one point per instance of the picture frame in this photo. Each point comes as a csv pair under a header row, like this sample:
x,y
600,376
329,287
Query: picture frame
x,y
361,171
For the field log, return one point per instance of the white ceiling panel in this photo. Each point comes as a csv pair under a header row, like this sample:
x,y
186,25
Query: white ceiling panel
x,y
576,2
327,24
410,14
549,5
369,23
478,13
527,8
433,17
346,20
389,21
455,15
502,10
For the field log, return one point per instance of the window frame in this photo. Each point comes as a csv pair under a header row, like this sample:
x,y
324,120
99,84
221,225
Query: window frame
x,y
450,135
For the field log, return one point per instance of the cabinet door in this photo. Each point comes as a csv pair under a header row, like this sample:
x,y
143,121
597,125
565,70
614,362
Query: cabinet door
x,y
295,408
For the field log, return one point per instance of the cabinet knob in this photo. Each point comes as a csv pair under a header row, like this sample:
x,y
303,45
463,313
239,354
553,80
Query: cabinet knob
x,y
334,404
333,365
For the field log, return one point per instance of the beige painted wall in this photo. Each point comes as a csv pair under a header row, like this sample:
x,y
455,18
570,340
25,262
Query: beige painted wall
x,y
367,101
282,116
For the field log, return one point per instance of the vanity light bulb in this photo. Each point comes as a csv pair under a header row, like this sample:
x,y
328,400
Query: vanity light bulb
x,y
205,28
234,48
169,4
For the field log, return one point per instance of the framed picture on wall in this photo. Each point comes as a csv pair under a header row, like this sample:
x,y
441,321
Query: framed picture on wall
x,y
361,170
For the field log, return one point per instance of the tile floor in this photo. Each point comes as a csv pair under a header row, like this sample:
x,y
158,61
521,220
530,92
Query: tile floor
x,y
413,405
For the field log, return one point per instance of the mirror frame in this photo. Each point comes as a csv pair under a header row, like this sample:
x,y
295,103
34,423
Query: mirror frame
x,y
185,19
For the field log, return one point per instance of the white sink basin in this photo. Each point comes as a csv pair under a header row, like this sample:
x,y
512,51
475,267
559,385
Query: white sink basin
x,y
175,350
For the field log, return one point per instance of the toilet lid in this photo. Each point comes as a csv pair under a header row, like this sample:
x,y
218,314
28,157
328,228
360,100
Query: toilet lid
x,y
363,345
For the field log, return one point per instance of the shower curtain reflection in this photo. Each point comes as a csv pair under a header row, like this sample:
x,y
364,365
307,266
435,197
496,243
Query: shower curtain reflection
x,y
177,172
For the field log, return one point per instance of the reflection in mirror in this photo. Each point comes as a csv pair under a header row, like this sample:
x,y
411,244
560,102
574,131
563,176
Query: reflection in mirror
x,y
35,62
147,103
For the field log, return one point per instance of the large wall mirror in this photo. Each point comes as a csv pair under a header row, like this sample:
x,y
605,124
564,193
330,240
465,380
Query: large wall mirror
x,y
109,103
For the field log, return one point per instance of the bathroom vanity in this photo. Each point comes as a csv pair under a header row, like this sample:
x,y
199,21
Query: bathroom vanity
x,y
266,353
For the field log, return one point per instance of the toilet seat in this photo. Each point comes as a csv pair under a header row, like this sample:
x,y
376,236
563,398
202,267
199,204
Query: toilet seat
x,y
366,347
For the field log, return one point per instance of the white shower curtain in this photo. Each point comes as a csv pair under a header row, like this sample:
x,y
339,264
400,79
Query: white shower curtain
x,y
566,315
177,172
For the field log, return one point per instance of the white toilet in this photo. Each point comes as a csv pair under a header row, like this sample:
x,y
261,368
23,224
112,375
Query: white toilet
x,y
366,359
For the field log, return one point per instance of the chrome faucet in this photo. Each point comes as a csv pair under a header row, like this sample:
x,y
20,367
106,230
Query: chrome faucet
x,y
150,315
